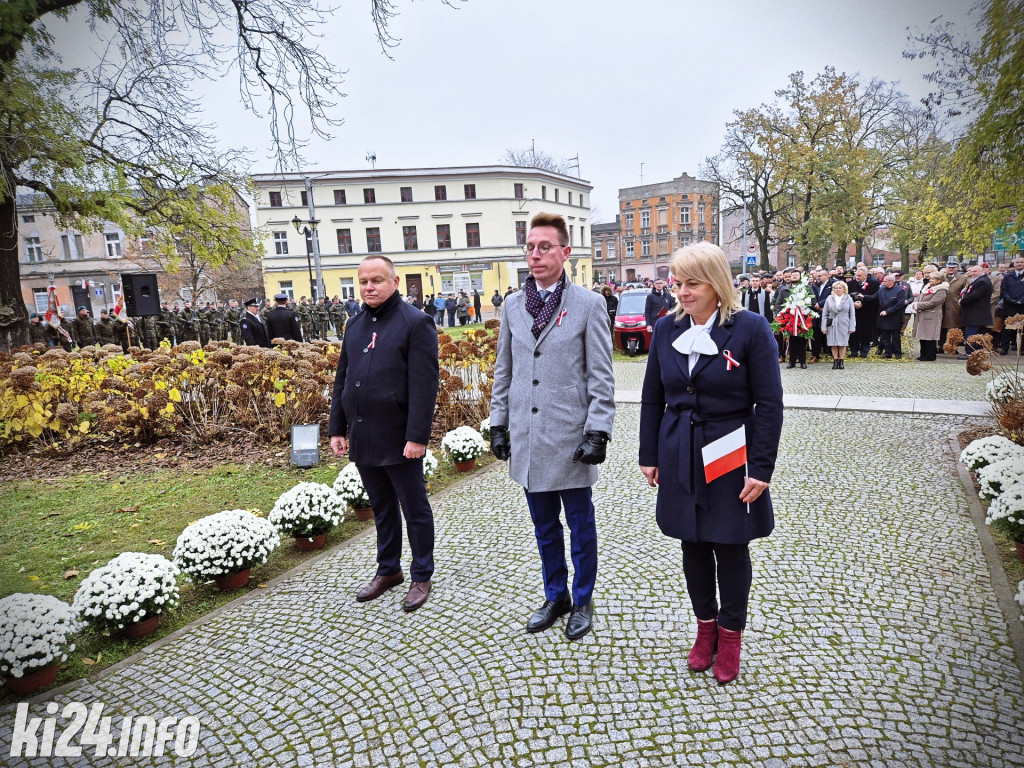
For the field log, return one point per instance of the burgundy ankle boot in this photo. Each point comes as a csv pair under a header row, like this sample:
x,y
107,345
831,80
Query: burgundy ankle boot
x,y
703,651
727,663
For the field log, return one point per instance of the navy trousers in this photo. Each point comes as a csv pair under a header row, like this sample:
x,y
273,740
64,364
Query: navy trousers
x,y
706,565
545,509
395,490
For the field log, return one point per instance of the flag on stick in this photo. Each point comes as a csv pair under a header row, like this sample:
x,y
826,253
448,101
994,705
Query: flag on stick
x,y
51,307
725,454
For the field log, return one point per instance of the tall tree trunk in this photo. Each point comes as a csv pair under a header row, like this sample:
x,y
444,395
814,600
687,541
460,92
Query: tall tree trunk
x,y
841,253
15,331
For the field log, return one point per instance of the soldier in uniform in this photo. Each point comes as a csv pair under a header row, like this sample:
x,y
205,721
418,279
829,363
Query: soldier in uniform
x,y
67,338
121,333
187,328
232,317
151,331
165,325
217,330
282,323
253,326
37,331
82,330
105,331
337,315
321,317
203,316
305,318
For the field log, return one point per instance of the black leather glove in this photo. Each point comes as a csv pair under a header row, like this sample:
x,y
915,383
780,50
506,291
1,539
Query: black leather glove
x,y
500,446
592,449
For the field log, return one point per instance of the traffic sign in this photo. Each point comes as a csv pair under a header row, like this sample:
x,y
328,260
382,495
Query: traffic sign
x,y
751,261
752,248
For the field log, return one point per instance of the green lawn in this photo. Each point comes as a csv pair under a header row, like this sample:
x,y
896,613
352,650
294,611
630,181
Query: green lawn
x,y
53,528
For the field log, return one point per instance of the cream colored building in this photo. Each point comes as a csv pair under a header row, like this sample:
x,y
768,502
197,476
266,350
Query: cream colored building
x,y
446,229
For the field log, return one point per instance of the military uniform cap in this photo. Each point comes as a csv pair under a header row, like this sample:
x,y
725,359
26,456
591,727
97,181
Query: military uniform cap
x,y
80,308
280,297
33,315
252,303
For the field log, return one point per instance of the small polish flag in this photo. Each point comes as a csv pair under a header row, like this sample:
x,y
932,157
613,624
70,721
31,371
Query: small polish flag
x,y
725,454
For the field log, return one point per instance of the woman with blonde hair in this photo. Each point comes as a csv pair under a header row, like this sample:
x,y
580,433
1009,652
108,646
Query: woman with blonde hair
x,y
839,320
710,423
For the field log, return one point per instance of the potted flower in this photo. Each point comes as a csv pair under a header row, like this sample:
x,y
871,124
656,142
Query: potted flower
x,y
1007,514
463,445
988,450
128,593
349,486
224,546
1020,597
34,634
429,464
1004,387
307,512
996,477
485,428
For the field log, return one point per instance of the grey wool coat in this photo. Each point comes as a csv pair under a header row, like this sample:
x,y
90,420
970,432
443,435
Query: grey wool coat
x,y
844,321
551,390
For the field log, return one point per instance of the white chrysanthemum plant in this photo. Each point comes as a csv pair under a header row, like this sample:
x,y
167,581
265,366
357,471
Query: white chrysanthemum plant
x,y
131,587
307,510
35,632
1004,387
485,428
996,477
1020,598
1007,511
429,464
225,543
463,444
988,450
349,487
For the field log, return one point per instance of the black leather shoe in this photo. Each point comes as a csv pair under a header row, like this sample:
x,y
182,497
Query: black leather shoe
x,y
548,613
791,365
580,621
803,365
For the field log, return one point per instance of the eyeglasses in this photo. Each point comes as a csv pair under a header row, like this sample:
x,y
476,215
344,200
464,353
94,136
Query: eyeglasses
x,y
543,247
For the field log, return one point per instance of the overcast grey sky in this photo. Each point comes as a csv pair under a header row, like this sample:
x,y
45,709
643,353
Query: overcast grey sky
x,y
618,84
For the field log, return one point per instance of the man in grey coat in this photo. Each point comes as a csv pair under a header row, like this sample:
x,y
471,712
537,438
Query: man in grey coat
x,y
552,407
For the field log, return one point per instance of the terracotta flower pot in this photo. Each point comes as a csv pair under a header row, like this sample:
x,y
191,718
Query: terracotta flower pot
x,y
309,543
1020,548
363,513
142,628
31,682
232,581
465,466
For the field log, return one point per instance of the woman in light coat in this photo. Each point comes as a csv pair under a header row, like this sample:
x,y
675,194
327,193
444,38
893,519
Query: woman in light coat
x,y
928,315
839,319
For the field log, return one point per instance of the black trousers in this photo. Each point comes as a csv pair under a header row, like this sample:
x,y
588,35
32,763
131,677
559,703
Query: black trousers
x,y
728,566
892,342
929,349
395,490
797,349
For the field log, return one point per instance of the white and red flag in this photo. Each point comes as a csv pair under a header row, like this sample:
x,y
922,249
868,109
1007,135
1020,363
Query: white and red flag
x,y
51,307
121,313
725,454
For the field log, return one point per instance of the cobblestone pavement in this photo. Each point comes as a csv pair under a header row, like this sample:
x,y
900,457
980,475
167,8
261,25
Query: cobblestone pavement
x,y
874,636
945,379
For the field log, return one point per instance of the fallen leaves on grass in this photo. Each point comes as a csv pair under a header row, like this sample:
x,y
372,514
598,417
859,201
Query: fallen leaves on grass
x,y
69,574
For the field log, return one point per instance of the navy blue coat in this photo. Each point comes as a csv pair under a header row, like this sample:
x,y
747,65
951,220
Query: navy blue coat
x,y
384,395
892,301
680,414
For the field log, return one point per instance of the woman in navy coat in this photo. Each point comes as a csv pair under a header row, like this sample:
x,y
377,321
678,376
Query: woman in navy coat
x,y
712,372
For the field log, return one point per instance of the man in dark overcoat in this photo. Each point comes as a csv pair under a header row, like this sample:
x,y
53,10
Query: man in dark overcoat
x,y
863,291
382,411
282,323
253,327
975,305
891,306
658,301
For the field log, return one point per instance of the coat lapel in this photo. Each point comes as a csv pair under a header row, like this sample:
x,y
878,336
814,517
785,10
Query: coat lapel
x,y
562,305
720,335
682,361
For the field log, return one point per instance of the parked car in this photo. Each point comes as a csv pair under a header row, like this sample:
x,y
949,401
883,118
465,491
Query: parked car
x,y
631,334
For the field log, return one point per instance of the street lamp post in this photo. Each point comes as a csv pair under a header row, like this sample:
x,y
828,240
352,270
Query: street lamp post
x,y
309,228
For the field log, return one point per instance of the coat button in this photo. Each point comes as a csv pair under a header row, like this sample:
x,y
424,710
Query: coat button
x,y
535,382
360,419
357,383
534,410
536,353
691,390
373,319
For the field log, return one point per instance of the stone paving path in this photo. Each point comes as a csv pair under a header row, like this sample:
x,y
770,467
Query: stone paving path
x,y
874,636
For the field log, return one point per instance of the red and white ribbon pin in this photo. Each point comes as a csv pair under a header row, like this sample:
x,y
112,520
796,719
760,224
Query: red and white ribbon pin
x,y
730,361
561,315
373,342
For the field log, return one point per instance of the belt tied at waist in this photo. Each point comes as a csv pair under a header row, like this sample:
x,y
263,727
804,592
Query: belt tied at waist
x,y
695,437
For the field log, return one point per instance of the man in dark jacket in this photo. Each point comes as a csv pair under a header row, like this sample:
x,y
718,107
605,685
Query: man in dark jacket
x,y
449,306
382,411
105,331
975,305
891,306
1011,299
84,333
254,329
657,300
757,299
282,323
863,291
821,288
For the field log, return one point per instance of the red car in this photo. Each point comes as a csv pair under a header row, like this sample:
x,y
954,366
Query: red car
x,y
631,334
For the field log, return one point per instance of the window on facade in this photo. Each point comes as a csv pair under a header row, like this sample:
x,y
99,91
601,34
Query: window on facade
x,y
518,191
629,221
444,236
72,250
28,218
598,253
629,250
520,233
556,194
684,214
339,197
543,192
33,249
409,238
663,217
373,239
113,241
348,288
645,219
583,236
281,243
611,251
701,210
304,197
440,192
344,241
645,248
369,196
470,190
570,197
275,199
473,235
286,287
406,194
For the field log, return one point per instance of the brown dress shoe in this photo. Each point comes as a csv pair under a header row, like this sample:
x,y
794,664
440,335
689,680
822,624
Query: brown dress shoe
x,y
379,586
417,595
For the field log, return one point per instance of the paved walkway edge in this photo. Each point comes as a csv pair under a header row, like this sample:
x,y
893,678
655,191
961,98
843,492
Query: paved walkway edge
x,y
256,594
1003,589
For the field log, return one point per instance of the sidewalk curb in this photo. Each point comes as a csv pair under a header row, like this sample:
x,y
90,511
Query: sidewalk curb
x,y
256,594
1004,592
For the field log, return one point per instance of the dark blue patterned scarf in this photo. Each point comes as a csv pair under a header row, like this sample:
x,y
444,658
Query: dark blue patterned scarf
x,y
542,311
